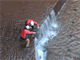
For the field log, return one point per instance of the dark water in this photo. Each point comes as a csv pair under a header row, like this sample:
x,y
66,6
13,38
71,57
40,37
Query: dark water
x,y
13,17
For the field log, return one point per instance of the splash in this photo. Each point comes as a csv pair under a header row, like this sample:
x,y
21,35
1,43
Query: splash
x,y
47,31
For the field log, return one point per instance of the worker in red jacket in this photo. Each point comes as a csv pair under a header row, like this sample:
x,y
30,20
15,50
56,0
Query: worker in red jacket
x,y
31,23
24,34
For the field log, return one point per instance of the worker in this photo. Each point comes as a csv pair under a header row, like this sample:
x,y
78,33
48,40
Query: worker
x,y
31,23
24,34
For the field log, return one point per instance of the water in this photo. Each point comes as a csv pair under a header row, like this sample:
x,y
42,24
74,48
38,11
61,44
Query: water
x,y
47,32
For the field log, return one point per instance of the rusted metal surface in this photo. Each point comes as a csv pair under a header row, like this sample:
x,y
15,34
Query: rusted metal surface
x,y
66,45
13,17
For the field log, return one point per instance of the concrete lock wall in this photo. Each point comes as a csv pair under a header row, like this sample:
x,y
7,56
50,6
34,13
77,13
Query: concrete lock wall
x,y
47,31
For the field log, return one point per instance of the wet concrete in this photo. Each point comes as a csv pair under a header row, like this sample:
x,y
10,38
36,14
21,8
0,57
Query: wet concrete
x,y
13,17
66,45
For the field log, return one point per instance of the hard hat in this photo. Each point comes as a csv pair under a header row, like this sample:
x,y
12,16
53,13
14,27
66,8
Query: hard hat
x,y
27,27
32,23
